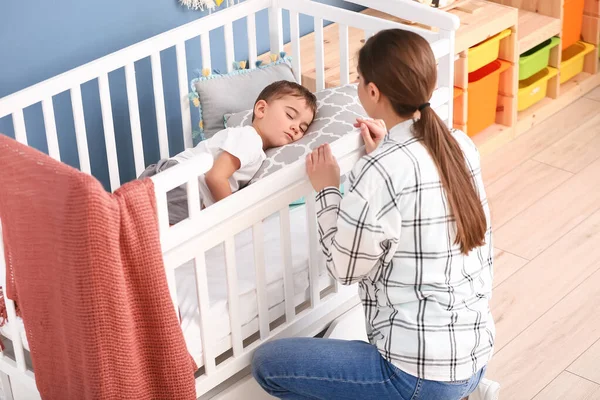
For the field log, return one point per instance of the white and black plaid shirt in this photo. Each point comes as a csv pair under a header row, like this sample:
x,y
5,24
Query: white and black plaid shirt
x,y
426,304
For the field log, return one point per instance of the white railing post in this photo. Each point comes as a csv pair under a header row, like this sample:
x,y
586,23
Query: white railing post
x,y
50,125
275,27
182,77
229,46
251,31
206,332
313,249
295,37
109,132
19,126
134,119
159,105
446,73
286,250
205,51
233,297
344,55
319,54
80,130
261,279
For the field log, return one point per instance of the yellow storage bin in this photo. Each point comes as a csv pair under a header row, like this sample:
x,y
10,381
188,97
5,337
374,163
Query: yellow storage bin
x,y
487,51
534,88
573,59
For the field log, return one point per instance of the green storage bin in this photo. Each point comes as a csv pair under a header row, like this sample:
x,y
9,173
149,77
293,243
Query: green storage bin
x,y
536,59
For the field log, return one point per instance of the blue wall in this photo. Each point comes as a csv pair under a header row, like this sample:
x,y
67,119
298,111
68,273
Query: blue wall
x,y
40,39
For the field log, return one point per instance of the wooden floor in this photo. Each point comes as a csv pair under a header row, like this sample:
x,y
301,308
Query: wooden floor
x,y
544,190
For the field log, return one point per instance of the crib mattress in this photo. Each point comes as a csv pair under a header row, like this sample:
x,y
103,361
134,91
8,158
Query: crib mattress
x,y
217,284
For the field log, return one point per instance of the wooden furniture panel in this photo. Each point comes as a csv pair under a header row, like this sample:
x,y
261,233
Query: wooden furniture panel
x,y
592,7
590,33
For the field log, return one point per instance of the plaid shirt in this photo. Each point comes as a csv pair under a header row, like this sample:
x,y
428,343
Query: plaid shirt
x,y
426,304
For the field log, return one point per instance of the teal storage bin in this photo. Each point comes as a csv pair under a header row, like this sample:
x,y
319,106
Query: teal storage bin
x,y
533,61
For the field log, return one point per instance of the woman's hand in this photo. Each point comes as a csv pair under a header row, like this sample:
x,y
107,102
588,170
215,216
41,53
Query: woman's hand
x,y
322,168
372,131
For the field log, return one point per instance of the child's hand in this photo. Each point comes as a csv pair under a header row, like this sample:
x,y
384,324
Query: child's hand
x,y
372,131
322,168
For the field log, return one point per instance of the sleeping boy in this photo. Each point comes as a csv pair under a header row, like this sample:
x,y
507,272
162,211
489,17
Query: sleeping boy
x,y
282,113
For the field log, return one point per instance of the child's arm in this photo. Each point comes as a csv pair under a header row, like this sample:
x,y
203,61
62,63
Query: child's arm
x,y
217,178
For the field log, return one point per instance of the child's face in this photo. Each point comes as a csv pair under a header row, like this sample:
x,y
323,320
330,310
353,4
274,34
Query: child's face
x,y
282,121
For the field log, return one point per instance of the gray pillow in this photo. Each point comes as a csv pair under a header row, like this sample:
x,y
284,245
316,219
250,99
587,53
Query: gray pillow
x,y
337,110
216,95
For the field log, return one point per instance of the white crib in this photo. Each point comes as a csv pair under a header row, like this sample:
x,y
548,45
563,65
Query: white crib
x,y
230,298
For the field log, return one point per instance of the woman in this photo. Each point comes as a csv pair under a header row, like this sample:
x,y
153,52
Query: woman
x,y
413,231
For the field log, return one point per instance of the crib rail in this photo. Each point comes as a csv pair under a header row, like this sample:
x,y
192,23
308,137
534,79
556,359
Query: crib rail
x,y
190,239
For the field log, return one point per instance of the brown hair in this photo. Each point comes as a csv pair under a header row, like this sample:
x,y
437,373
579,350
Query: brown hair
x,y
402,66
277,90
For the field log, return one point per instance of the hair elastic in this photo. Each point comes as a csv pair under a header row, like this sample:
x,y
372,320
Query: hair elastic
x,y
423,106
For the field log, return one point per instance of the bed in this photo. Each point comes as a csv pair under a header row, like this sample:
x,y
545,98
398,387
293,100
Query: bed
x,y
251,270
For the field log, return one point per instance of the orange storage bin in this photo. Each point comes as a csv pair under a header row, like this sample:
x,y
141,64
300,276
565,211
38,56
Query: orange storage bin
x,y
483,96
572,22
458,116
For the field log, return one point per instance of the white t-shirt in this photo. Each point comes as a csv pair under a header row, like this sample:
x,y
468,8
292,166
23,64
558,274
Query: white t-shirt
x,y
243,143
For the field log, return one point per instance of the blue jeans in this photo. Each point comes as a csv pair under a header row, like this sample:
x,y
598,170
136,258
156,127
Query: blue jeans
x,y
328,369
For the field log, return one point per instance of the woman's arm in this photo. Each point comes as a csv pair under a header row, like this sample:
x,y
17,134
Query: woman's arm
x,y
351,232
351,236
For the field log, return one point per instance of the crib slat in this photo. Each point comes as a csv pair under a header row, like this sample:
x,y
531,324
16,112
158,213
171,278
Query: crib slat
x,y
233,297
163,212
261,279
159,104
344,56
109,132
288,279
275,29
295,34
134,118
251,30
80,131
205,49
313,249
19,126
182,77
193,196
206,334
229,49
5,385
446,72
11,314
319,54
50,125
172,285
16,335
